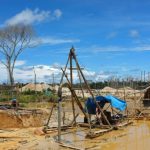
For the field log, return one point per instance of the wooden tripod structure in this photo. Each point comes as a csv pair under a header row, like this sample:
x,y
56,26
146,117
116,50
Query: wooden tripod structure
x,y
72,57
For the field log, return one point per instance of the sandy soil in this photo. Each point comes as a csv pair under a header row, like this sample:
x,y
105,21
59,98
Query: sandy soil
x,y
134,137
22,118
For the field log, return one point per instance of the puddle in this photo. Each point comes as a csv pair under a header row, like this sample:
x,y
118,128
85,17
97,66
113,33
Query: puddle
x,y
135,137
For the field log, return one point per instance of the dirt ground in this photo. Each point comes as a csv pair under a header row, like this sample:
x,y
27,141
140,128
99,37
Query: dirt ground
x,y
18,131
133,137
22,118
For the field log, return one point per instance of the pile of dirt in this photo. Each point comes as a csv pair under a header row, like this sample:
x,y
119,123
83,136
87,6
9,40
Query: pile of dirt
x,y
12,119
37,87
128,91
108,90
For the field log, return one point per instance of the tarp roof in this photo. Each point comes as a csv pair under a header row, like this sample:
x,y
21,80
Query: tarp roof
x,y
114,101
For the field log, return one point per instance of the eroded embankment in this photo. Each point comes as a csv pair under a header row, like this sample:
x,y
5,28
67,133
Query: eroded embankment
x,y
21,119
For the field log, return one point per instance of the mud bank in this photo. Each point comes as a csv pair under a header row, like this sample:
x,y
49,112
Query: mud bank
x,y
134,137
13,119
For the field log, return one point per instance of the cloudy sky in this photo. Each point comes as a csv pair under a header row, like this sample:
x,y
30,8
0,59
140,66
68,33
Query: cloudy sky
x,y
111,37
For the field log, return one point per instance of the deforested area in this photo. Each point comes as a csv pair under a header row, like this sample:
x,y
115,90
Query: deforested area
x,y
74,75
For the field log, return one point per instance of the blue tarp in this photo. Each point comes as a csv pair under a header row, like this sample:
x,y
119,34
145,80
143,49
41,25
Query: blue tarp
x,y
114,101
91,106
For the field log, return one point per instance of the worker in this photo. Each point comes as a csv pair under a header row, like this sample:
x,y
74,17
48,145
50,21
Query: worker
x,y
14,103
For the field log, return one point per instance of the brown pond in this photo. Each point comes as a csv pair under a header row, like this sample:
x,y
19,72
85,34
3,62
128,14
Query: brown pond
x,y
133,137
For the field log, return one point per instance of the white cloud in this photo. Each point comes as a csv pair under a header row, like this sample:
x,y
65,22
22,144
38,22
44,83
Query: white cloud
x,y
57,13
29,16
134,33
20,63
141,47
44,73
26,73
53,41
3,73
101,77
17,63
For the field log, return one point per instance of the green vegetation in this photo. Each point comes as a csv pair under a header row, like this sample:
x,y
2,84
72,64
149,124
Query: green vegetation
x,y
117,84
36,96
29,96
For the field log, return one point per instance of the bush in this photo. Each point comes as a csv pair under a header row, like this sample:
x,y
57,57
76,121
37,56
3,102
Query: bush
x,y
3,99
31,92
26,98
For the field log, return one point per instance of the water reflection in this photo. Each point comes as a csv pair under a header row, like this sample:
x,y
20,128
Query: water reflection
x,y
135,137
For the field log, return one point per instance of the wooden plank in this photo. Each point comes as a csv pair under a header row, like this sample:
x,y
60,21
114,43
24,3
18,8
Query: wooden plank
x,y
83,125
13,137
54,129
125,124
95,134
70,146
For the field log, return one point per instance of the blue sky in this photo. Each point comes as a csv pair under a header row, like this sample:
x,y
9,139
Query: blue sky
x,y
111,38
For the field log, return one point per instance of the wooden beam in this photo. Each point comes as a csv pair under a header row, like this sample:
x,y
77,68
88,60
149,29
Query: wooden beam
x,y
71,82
74,94
70,146
78,66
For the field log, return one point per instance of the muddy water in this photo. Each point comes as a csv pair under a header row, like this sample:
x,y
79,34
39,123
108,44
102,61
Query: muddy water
x,y
135,137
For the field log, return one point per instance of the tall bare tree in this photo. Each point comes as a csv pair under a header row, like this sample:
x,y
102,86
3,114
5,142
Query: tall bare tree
x,y
13,40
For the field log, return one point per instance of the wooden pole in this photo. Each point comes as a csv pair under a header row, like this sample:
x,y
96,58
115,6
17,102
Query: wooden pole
x,y
61,80
74,94
50,114
89,88
144,75
141,76
80,83
59,121
34,80
59,113
71,82
64,114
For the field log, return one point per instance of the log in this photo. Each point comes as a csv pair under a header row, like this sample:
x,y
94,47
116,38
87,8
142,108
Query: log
x,y
83,125
5,137
95,134
124,124
70,146
53,129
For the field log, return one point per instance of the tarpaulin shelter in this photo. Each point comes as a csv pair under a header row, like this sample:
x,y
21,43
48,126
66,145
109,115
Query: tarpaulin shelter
x,y
102,100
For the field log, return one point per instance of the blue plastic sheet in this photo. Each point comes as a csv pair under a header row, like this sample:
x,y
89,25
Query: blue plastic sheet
x,y
116,102
102,100
91,105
